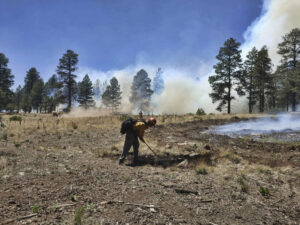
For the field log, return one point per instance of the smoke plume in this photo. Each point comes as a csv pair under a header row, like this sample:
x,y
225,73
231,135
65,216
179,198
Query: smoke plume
x,y
280,123
278,18
186,86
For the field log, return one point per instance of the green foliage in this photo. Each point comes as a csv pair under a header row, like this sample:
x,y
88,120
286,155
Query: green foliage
x,y
37,93
264,192
35,209
74,198
200,112
6,82
78,217
15,118
85,93
74,125
32,91
32,76
289,69
18,98
264,78
247,81
227,72
10,107
141,91
26,103
111,98
66,69
244,186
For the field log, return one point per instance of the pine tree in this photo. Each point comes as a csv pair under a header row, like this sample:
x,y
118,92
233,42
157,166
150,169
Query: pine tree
x,y
85,93
31,77
247,81
37,94
106,97
18,98
111,97
141,91
158,82
289,49
6,81
26,102
66,69
228,70
264,79
115,93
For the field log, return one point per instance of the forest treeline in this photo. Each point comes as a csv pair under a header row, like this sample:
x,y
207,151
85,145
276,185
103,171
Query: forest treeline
x,y
254,78
62,88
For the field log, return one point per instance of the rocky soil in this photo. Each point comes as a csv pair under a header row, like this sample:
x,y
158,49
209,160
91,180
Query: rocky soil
x,y
65,171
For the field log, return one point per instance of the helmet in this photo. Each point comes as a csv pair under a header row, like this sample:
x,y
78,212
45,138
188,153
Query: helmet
x,y
151,121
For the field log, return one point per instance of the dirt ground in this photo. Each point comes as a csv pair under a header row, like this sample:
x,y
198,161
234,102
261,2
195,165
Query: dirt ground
x,y
65,171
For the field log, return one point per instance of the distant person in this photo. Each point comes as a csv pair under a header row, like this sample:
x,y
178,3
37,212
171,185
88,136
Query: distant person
x,y
141,116
134,129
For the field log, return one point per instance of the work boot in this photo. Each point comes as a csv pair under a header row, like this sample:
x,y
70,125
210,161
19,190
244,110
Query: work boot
x,y
121,161
135,162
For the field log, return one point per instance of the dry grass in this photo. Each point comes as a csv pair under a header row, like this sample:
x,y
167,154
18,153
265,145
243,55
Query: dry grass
x,y
46,123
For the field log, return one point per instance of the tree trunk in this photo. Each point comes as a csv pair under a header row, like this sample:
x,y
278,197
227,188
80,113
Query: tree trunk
x,y
70,87
294,102
250,102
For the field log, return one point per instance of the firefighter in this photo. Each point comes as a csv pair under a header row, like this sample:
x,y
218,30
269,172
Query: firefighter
x,y
132,136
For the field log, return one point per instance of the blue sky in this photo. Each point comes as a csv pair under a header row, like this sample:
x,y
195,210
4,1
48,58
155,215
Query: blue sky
x,y
112,34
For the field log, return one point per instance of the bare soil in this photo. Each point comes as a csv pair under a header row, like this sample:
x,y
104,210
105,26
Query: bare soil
x,y
53,168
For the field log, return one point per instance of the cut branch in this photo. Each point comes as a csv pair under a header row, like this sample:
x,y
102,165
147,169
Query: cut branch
x,y
128,203
19,218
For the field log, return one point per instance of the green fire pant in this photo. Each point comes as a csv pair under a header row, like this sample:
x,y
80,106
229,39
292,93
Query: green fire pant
x,y
131,139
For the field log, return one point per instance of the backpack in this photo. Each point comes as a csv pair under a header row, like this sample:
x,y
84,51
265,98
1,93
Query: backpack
x,y
127,125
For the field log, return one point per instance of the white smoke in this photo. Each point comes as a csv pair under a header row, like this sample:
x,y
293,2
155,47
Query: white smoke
x,y
278,18
184,92
280,123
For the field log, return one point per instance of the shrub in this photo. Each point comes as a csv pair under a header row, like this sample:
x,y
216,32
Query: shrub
x,y
264,192
244,186
17,144
35,209
15,118
200,112
79,216
74,198
4,137
75,126
201,170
